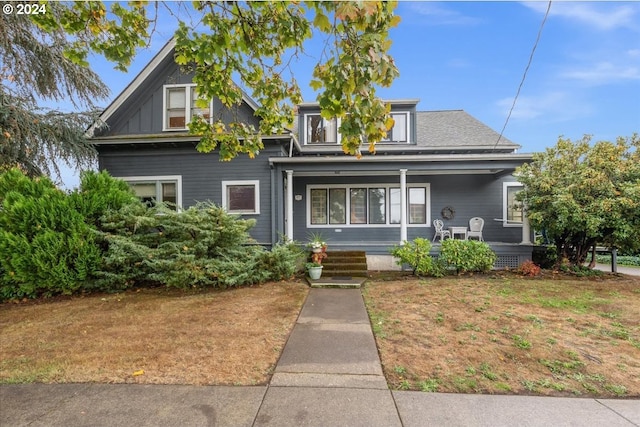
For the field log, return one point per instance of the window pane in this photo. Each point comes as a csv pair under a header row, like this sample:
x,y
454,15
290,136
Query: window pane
x,y
176,108
358,206
320,130
169,192
198,111
377,206
337,206
177,98
417,206
399,131
241,198
394,205
146,192
318,206
514,208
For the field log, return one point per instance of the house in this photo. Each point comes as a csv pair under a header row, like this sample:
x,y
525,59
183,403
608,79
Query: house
x,y
433,164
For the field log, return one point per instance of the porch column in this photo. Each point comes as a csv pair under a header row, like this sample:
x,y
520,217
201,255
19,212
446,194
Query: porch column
x,y
289,203
403,206
526,229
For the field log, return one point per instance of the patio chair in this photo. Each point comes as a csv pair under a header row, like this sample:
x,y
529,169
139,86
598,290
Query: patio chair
x,y
476,224
440,231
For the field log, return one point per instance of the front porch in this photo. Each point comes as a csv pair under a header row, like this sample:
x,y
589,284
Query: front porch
x,y
378,258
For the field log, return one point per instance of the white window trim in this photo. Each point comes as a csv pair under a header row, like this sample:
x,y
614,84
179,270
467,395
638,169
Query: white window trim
x,y
187,117
159,179
505,187
386,186
407,130
338,137
256,193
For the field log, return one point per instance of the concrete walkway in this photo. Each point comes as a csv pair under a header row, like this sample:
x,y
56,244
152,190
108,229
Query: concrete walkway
x,y
631,271
329,374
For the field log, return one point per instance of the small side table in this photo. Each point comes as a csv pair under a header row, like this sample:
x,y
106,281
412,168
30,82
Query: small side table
x,y
458,230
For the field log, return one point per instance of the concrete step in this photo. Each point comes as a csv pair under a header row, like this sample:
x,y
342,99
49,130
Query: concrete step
x,y
345,265
344,273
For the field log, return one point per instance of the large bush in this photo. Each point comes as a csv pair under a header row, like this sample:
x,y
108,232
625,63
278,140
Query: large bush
x,y
101,237
467,255
46,247
416,255
200,246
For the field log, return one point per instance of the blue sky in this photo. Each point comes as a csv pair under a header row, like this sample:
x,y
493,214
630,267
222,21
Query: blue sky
x,y
584,77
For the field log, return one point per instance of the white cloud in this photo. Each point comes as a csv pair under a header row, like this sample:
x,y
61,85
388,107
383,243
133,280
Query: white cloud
x,y
553,106
601,15
438,15
603,73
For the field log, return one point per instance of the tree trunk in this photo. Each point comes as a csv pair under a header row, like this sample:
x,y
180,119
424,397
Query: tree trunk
x,y
592,264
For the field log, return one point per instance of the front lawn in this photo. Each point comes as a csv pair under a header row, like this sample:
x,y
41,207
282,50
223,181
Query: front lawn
x,y
501,333
152,336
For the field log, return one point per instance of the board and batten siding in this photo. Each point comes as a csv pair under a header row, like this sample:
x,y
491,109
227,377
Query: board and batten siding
x,y
202,175
469,195
143,112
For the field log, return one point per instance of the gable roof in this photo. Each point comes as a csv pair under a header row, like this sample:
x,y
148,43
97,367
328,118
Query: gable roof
x,y
166,52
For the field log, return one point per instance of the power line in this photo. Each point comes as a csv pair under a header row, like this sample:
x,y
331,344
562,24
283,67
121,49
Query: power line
x,y
524,76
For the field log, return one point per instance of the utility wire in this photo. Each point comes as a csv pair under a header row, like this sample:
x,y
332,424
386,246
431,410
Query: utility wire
x,y
524,76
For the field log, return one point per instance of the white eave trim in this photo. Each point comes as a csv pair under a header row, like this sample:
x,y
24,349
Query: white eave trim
x,y
399,158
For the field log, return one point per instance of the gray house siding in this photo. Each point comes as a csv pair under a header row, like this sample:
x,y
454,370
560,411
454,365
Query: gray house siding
x,y
202,175
143,113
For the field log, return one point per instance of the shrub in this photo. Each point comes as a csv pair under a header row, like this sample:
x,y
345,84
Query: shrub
x,y
46,248
529,268
467,255
416,255
99,193
198,247
545,256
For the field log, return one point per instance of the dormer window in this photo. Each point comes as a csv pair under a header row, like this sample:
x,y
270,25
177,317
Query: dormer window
x,y
400,130
176,100
319,130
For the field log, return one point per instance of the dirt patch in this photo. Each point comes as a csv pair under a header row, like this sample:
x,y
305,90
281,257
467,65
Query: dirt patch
x,y
152,336
504,334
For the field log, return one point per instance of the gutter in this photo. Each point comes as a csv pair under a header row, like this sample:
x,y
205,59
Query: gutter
x,y
398,158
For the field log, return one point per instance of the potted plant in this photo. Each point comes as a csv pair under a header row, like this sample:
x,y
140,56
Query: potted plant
x,y
318,253
315,270
316,243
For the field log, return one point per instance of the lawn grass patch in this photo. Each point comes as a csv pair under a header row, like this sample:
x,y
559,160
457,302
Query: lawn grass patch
x,y
165,336
552,335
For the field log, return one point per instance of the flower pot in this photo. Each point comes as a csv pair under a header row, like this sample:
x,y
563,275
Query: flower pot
x,y
316,250
315,272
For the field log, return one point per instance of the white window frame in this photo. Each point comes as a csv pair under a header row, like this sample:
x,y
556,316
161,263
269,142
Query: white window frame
x,y
407,130
505,202
159,179
187,113
306,142
367,186
256,193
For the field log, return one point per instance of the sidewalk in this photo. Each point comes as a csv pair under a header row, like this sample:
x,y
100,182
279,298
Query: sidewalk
x,y
329,374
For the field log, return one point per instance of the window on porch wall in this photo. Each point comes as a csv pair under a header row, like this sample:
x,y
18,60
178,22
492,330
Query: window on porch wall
x,y
514,207
366,205
358,206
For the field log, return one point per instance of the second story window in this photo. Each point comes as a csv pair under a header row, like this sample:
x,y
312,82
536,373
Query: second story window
x,y
180,106
400,130
319,130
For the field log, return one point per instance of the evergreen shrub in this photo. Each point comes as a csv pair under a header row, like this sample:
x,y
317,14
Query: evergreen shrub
x,y
46,248
202,246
